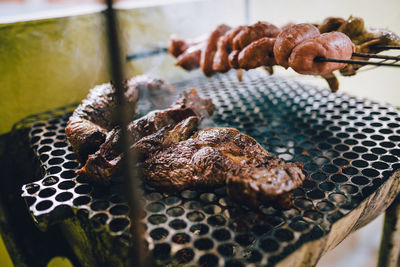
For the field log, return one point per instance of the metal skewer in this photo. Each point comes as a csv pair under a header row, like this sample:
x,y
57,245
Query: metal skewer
x,y
385,47
397,58
163,50
360,62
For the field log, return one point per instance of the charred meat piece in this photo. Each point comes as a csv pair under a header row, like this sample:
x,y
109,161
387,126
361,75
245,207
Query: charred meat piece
x,y
289,38
271,184
216,156
103,164
327,45
93,118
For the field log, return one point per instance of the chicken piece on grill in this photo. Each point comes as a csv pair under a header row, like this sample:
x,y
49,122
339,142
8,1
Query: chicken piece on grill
x,y
93,118
105,163
216,156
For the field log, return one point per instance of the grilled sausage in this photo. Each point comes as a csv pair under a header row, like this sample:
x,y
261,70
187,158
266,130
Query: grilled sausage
x,y
289,38
257,54
254,32
329,45
208,52
176,46
225,43
190,59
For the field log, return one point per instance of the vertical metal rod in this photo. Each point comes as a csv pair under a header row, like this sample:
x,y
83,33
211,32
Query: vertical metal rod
x,y
389,251
247,12
129,160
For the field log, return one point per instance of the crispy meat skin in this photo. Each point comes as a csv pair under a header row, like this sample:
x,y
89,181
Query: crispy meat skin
x,y
105,163
216,156
328,45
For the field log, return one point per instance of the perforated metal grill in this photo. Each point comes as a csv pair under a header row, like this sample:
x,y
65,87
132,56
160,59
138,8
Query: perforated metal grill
x,y
349,148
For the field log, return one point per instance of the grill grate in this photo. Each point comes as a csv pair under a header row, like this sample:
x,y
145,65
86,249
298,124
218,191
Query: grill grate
x,y
349,148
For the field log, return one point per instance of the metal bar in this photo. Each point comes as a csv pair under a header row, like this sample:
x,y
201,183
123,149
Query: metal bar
x,y
351,61
389,251
376,56
158,51
385,47
128,162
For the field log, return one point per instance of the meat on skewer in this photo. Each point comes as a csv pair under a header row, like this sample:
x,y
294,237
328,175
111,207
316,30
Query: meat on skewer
x,y
241,48
328,45
210,49
289,38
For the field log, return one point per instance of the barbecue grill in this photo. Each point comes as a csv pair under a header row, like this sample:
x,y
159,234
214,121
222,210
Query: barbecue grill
x,y
350,148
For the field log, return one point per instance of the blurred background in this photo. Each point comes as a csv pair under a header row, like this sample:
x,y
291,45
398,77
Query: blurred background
x,y
52,52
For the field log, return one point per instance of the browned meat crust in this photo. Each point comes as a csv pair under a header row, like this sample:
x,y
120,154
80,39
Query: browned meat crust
x,y
225,47
93,118
289,38
328,45
214,156
105,163
254,32
258,53
190,59
220,51
210,48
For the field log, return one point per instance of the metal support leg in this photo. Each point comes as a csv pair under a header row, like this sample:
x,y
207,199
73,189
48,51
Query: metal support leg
x,y
389,252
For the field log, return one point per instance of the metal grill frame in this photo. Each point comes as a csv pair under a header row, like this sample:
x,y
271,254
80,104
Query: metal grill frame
x,y
350,148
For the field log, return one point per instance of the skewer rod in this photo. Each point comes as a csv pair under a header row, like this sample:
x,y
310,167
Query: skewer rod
x,y
351,61
376,56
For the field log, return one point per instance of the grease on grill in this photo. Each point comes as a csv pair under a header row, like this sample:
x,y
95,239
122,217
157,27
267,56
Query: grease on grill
x,y
348,146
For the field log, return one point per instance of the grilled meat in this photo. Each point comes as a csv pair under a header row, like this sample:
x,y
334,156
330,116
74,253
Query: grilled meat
x,y
327,45
224,48
252,33
258,53
248,47
220,51
216,156
94,117
210,48
289,38
105,163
